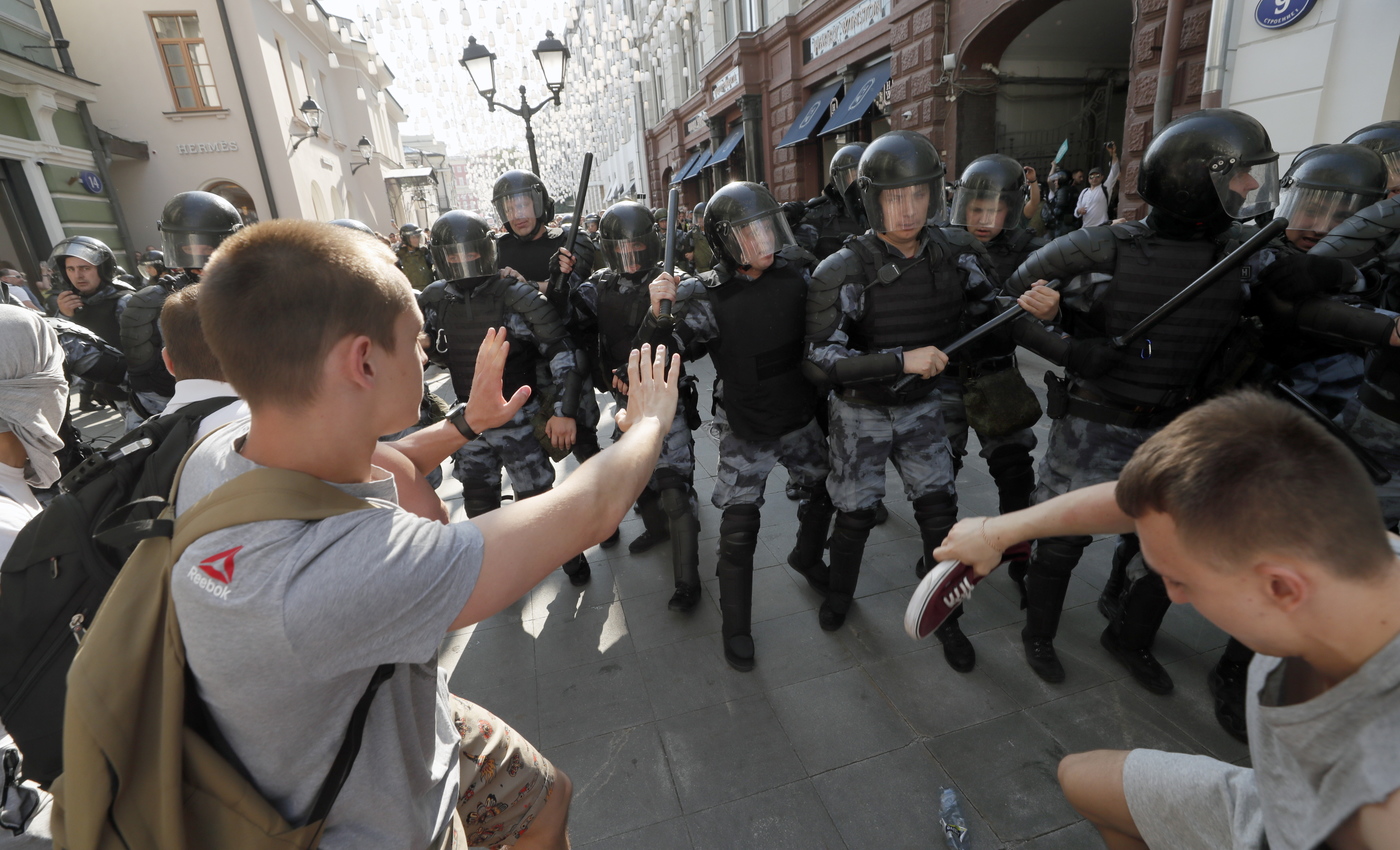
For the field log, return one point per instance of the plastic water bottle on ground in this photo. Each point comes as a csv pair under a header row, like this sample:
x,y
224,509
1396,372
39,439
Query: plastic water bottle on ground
x,y
950,816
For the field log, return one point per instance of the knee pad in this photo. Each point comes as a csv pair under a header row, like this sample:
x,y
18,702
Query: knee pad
x,y
856,522
477,500
1009,461
1058,556
740,521
936,509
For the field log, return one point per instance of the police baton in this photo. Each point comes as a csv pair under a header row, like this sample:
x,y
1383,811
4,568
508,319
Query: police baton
x,y
976,334
1379,474
1200,284
577,224
664,316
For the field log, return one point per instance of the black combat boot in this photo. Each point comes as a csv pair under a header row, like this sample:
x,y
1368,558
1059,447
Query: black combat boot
x,y
957,649
1013,471
685,547
477,500
813,521
738,537
1129,638
847,548
1228,682
935,514
1111,598
656,528
1047,582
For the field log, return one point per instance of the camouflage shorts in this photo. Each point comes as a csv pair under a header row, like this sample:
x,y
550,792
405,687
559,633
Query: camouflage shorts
x,y
1082,453
505,782
1380,437
744,465
865,437
955,420
512,445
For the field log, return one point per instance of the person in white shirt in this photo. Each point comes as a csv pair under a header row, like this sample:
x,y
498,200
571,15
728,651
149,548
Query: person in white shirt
x,y
198,375
1092,208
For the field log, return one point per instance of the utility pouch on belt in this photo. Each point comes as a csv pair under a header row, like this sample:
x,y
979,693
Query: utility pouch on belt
x,y
1000,403
690,397
1056,396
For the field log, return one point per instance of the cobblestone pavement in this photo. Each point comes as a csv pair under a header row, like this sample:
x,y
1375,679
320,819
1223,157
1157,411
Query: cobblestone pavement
x,y
835,740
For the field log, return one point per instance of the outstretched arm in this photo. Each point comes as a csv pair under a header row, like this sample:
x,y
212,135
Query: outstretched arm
x,y
979,541
526,540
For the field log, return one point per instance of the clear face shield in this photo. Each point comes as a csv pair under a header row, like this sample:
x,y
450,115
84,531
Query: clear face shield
x,y
904,208
79,251
630,256
753,243
521,206
987,210
1319,210
462,260
1392,165
188,250
842,178
150,271
1246,189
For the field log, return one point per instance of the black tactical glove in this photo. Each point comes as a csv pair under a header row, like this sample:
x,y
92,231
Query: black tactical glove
x,y
554,270
1295,277
1092,358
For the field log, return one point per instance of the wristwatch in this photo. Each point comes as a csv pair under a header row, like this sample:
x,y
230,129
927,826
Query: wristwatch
x,y
458,417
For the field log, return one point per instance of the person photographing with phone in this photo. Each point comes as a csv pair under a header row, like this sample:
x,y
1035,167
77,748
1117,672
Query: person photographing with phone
x,y
1092,208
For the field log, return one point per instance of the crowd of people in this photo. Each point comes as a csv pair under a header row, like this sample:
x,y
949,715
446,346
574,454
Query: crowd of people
x,y
877,323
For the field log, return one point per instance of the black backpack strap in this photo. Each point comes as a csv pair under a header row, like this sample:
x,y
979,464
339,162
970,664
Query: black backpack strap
x,y
125,536
349,749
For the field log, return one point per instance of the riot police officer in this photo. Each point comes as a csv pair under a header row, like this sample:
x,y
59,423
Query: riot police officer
x,y
458,310
751,310
1384,138
415,260
89,292
877,310
152,266
532,248
1200,174
609,307
837,213
700,255
192,225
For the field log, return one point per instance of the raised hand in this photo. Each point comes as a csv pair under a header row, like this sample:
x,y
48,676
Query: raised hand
x,y
487,408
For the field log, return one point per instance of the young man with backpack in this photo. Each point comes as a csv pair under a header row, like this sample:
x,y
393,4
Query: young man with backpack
x,y
284,622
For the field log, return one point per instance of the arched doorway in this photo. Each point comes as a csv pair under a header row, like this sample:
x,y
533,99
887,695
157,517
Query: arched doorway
x,y
236,195
319,207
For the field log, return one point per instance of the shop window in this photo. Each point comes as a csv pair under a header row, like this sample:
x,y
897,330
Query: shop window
x,y
186,59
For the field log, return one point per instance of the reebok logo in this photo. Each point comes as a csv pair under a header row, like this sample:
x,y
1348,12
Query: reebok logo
x,y
220,567
214,573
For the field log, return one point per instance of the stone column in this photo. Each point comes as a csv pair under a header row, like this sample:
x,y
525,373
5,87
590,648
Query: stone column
x,y
752,106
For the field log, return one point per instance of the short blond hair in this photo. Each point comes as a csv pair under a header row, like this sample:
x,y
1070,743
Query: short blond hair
x,y
279,294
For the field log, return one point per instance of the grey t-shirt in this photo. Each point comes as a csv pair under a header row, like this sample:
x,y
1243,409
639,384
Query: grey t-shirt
x,y
1317,762
284,623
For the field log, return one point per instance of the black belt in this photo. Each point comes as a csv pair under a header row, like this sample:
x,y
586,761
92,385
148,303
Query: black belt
x,y
1377,403
1107,413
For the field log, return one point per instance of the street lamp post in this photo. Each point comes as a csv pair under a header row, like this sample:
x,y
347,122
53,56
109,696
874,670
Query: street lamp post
x,y
553,57
366,150
311,114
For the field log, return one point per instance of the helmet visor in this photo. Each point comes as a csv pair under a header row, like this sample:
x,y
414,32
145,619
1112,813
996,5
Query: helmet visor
x,y
1392,165
1319,210
465,259
518,206
750,242
188,250
903,207
1247,189
80,251
843,177
988,209
150,271
631,255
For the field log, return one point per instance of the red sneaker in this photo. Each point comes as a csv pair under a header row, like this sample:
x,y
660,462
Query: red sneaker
x,y
946,586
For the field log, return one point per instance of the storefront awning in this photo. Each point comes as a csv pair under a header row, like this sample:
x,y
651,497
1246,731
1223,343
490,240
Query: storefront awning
x,y
726,147
685,170
696,164
810,116
859,96
410,176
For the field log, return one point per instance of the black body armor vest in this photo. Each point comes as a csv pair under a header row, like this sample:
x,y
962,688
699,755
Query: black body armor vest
x,y
832,224
99,311
530,258
620,314
923,306
1009,250
1172,357
759,353
465,317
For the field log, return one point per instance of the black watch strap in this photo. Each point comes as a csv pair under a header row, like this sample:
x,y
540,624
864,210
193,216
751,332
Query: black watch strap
x,y
458,417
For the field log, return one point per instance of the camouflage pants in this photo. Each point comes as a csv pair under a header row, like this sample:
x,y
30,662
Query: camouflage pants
x,y
955,420
744,465
678,452
1380,437
1082,453
865,437
512,445
1329,382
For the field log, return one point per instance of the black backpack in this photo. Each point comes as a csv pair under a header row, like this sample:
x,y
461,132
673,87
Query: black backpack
x,y
61,566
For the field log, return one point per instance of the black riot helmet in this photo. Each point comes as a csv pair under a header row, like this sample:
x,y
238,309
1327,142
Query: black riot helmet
x,y
410,229
747,226
1326,184
991,196
463,246
87,249
353,224
1209,164
192,225
1384,139
901,181
627,236
152,265
844,164
519,195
